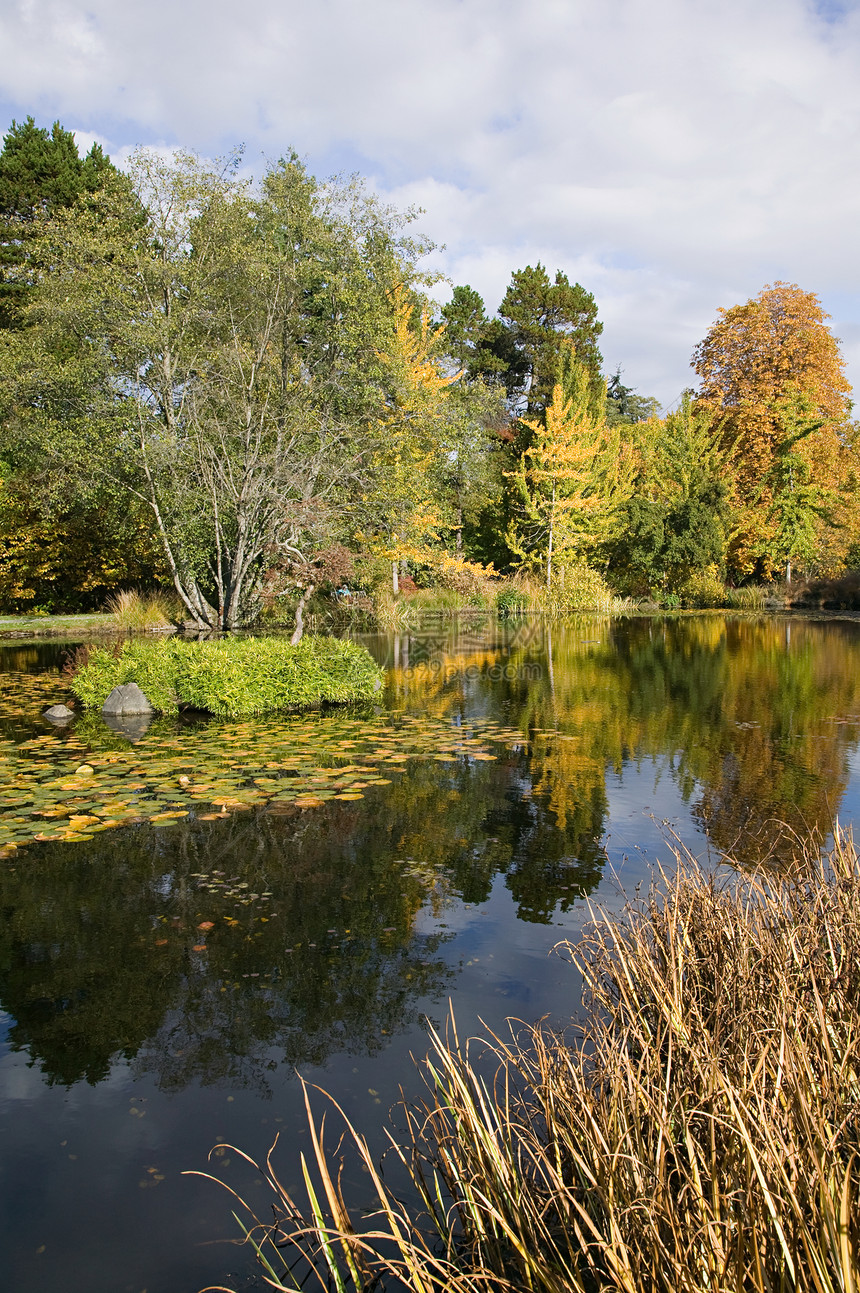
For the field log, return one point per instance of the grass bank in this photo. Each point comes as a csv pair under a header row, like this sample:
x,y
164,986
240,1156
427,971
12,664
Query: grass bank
x,y
701,1131
229,677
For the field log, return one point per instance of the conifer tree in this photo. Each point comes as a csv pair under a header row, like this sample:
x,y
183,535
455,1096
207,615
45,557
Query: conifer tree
x,y
572,479
40,173
409,455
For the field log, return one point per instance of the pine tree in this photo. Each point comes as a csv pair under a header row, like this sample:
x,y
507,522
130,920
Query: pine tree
x,y
40,173
543,319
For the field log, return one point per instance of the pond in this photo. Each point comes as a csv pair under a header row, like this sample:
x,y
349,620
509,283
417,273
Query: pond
x,y
194,912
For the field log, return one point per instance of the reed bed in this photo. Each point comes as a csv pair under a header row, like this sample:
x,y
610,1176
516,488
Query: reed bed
x,y
699,1131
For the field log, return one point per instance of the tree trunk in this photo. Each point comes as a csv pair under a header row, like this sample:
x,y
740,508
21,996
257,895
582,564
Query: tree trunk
x,y
549,549
788,572
307,593
395,582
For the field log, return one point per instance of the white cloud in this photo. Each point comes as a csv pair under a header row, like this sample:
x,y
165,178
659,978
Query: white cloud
x,y
674,155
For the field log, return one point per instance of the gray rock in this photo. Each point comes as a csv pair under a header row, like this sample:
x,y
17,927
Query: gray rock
x,y
127,699
59,714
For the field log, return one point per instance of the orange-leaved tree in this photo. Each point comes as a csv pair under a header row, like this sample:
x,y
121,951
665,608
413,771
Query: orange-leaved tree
x,y
757,357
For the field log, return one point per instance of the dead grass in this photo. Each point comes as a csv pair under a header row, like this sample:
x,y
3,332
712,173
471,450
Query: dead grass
x,y
700,1132
143,611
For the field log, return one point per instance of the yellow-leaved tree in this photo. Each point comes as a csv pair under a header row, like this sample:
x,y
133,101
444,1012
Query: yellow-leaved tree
x,y
571,481
404,514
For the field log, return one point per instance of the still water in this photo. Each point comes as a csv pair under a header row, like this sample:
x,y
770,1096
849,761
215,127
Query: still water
x,y
211,908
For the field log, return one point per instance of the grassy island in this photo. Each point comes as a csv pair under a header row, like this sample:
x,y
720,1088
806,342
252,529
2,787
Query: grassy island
x,y
231,677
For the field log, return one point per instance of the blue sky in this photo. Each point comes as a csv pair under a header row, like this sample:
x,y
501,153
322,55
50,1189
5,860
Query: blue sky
x,y
672,155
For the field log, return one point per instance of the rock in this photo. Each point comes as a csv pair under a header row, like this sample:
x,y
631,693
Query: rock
x,y
59,714
127,699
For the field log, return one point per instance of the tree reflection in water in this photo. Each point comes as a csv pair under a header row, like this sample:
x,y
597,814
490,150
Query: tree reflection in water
x,y
102,954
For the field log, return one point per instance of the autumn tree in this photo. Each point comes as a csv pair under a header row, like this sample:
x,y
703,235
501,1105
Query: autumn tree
x,y
404,513
571,480
752,359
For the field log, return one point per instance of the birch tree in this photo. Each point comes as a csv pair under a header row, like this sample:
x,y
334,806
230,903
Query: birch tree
x,y
210,350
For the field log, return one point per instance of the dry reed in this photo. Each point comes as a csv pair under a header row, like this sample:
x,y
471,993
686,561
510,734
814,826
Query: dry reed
x,y
699,1132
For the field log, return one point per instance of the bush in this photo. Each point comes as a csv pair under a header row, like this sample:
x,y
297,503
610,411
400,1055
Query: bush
x,y
577,588
840,594
233,676
701,1131
704,589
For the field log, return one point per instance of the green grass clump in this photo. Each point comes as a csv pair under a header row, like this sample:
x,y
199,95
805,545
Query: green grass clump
x,y
699,1132
233,676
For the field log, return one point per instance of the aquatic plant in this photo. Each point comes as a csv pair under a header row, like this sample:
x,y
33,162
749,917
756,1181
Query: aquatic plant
x,y
232,676
701,1130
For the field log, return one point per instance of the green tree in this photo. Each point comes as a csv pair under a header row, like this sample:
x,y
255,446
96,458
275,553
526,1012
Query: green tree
x,y
40,173
799,504
543,317
217,359
678,518
625,404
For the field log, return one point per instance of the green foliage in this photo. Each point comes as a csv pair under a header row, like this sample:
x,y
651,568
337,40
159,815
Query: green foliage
x,y
798,503
40,173
542,317
678,519
703,589
235,391
232,677
624,404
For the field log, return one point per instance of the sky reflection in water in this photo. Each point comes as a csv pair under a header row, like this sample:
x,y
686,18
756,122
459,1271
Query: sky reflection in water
x,y
161,981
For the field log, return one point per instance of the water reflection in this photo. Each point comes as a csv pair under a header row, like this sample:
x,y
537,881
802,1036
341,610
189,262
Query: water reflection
x,y
214,953
754,720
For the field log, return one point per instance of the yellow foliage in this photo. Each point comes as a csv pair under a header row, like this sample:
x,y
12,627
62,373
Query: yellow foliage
x,y
570,481
408,451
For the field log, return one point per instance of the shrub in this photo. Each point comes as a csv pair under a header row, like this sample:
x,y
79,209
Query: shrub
x,y
753,597
233,676
469,578
704,589
577,588
839,594
701,1131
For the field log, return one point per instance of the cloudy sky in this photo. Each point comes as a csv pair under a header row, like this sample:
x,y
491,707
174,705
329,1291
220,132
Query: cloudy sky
x,y
674,156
